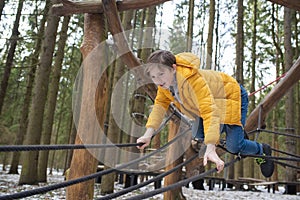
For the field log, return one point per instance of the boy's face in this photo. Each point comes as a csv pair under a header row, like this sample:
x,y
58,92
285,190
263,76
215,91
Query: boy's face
x,y
162,76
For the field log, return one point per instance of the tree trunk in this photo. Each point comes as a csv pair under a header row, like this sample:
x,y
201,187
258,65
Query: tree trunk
x,y
54,141
28,94
240,43
29,169
10,56
113,134
2,4
217,43
128,17
189,42
145,53
276,111
94,97
239,65
291,174
51,101
211,24
297,53
74,118
139,98
72,138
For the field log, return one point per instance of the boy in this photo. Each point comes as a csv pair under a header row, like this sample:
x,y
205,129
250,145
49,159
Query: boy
x,y
215,101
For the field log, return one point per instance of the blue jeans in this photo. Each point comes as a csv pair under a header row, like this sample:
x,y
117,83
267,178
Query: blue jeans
x,y
235,141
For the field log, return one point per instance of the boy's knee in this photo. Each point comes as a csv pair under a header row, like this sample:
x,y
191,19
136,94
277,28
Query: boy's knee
x,y
234,148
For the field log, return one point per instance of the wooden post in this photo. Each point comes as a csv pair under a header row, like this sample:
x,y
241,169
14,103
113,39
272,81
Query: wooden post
x,y
93,92
177,175
291,78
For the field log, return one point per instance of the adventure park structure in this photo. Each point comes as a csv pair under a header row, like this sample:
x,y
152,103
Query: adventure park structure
x,y
96,12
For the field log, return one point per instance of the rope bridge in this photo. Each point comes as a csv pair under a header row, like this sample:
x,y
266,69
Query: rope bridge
x,y
9,148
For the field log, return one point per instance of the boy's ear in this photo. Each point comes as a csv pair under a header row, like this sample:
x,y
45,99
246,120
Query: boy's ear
x,y
174,66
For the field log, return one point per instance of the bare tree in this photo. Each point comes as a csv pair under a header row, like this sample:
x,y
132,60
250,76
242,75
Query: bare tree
x,y
51,100
239,62
28,94
289,102
2,4
29,169
10,56
211,24
189,42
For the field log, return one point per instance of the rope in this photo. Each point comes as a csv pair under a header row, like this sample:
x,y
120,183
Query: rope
x,y
272,157
7,148
274,132
286,165
263,87
135,187
262,156
180,183
88,177
286,153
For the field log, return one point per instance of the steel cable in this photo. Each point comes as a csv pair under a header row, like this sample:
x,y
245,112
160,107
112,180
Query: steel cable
x,y
88,177
158,177
180,183
8,148
273,132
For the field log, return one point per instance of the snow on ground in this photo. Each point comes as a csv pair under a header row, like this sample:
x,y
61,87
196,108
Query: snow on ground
x,y
9,185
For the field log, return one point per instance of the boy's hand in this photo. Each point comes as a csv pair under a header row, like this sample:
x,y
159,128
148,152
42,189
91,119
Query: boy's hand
x,y
146,138
210,154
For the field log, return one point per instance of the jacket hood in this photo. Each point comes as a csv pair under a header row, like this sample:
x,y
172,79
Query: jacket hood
x,y
188,59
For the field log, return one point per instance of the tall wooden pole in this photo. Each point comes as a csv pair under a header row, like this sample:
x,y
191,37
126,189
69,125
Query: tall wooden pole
x,y
177,175
93,98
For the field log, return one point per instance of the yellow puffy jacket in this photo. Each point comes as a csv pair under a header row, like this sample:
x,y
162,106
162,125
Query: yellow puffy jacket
x,y
214,96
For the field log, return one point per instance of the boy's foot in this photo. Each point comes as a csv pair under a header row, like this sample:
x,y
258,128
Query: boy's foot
x,y
266,165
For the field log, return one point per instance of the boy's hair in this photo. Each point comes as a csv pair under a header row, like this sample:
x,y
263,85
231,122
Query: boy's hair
x,y
160,57
163,57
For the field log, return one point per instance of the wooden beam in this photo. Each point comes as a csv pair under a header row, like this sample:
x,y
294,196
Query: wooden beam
x,y
293,4
261,111
121,44
69,7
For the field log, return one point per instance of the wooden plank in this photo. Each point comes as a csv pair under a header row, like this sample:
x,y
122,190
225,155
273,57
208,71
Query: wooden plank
x,y
293,4
264,183
68,7
250,179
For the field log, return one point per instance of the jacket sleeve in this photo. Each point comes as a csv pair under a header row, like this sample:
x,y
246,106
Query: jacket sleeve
x,y
159,109
204,102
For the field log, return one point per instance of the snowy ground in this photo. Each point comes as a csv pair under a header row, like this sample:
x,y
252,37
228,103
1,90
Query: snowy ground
x,y
9,185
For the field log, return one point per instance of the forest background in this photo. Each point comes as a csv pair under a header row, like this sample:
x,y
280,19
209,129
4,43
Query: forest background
x,y
254,41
